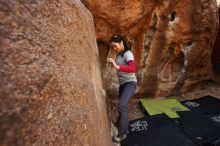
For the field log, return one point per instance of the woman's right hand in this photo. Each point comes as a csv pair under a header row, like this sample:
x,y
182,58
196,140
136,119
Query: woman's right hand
x,y
112,61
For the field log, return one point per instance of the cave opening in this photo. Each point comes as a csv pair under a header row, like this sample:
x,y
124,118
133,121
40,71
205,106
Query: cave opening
x,y
216,61
189,43
172,16
216,58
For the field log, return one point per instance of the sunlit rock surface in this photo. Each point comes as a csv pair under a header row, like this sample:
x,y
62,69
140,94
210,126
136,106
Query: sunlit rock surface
x,y
172,41
50,90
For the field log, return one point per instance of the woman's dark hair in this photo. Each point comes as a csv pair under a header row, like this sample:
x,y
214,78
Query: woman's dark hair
x,y
118,39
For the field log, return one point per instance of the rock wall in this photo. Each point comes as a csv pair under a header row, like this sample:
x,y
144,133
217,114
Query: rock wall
x,y
172,41
51,91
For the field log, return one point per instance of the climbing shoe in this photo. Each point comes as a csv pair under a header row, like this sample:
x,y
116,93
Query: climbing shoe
x,y
119,138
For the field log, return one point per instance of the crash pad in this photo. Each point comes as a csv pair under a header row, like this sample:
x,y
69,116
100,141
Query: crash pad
x,y
200,128
157,130
206,105
159,106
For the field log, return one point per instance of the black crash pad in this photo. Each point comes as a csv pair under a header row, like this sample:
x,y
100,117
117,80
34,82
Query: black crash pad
x,y
206,105
215,120
157,130
200,128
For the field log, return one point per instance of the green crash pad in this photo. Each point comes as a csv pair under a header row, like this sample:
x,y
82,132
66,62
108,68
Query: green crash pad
x,y
159,106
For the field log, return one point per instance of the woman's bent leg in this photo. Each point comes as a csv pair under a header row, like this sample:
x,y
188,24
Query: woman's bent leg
x,y
126,94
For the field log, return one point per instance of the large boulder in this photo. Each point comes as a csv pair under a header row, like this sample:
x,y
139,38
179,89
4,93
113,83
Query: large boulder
x,y
51,90
172,41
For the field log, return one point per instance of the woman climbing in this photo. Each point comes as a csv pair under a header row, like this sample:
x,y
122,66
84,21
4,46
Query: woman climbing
x,y
124,63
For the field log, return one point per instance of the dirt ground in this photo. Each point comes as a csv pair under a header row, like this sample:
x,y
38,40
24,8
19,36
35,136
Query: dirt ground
x,y
135,110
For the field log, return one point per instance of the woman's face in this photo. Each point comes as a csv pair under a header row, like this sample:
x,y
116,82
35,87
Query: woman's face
x,y
118,47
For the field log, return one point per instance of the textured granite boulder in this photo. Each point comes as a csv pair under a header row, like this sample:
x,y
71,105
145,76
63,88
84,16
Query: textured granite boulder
x,y
51,90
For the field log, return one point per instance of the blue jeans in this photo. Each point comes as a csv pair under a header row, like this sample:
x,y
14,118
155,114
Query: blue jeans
x,y
126,91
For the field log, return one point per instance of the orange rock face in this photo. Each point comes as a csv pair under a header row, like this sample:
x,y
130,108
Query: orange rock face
x,y
172,41
51,91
